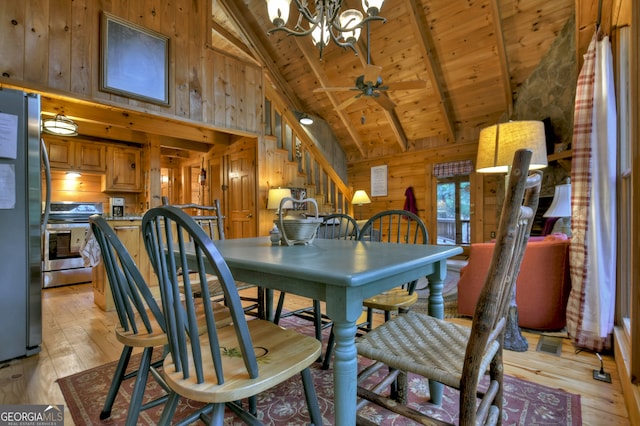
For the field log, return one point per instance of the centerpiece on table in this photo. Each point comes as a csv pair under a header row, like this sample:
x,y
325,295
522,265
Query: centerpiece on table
x,y
298,228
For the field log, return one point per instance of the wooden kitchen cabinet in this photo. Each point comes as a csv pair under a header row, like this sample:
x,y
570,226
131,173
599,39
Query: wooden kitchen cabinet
x,y
130,233
124,171
77,155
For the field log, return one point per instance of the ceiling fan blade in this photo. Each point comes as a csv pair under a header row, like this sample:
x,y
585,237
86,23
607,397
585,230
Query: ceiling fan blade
x,y
348,102
407,85
333,89
385,102
371,73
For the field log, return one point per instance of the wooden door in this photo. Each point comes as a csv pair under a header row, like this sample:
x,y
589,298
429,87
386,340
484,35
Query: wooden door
x,y
241,217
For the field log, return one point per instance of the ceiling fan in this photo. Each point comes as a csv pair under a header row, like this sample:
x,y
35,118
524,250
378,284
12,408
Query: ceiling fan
x,y
370,84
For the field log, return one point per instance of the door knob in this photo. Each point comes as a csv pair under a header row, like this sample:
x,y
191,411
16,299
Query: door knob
x,y
250,215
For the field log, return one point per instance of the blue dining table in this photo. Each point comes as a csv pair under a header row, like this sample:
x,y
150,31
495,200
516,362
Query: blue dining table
x,y
342,273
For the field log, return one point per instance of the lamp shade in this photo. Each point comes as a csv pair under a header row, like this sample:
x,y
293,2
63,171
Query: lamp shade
x,y
498,144
360,198
561,204
276,195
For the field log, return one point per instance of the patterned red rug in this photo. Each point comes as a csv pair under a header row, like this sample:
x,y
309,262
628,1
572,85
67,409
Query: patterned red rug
x,y
525,403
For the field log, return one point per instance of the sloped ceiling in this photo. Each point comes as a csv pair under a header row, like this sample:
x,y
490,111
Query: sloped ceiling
x,y
463,60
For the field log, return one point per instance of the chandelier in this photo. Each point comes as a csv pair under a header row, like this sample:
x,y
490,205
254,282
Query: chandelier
x,y
325,22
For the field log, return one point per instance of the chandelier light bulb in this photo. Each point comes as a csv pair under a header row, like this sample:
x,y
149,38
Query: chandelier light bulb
x,y
278,11
350,21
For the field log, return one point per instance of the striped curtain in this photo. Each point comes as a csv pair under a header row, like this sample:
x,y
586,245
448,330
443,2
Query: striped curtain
x,y
591,303
452,168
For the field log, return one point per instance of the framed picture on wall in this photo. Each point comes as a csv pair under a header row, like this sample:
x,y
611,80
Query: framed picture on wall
x,y
134,61
379,181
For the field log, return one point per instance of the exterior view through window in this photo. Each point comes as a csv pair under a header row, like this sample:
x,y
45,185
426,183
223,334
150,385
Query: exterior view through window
x,y
454,225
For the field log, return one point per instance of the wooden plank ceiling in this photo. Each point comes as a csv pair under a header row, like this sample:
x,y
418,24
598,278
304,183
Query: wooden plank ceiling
x,y
462,60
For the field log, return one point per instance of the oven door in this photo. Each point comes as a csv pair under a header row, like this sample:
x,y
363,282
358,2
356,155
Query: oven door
x,y
63,264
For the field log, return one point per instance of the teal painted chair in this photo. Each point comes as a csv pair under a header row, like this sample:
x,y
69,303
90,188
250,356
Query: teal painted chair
x,y
224,365
140,320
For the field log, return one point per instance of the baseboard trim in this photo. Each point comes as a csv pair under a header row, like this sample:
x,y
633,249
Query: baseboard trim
x,y
630,392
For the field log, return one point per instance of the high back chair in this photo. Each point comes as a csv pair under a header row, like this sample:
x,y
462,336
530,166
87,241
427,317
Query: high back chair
x,y
140,320
211,220
455,355
224,365
400,227
334,226
389,226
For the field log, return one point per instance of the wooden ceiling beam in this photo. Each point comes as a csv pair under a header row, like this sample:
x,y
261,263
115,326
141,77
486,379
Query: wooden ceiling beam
x,y
502,56
246,25
235,41
426,45
310,56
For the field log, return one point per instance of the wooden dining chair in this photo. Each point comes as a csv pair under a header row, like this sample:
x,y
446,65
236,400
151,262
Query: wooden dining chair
x,y
211,220
228,364
389,226
334,226
140,320
400,227
452,354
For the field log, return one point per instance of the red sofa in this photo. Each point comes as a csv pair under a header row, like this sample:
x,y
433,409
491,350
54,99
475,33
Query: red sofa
x,y
542,287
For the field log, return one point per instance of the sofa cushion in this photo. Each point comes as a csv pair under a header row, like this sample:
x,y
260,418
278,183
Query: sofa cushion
x,y
542,287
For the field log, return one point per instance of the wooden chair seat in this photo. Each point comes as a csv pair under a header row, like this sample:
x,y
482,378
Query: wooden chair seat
x,y
392,300
157,337
281,354
424,345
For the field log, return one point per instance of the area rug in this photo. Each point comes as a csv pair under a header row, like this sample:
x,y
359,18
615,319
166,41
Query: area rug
x,y
525,403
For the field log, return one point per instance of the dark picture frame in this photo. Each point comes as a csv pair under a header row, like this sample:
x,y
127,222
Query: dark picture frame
x,y
134,61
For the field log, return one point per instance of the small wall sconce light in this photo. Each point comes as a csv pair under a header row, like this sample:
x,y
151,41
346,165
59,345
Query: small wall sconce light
x,y
60,126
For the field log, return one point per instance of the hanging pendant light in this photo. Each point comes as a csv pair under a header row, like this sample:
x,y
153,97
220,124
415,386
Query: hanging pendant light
x,y
60,126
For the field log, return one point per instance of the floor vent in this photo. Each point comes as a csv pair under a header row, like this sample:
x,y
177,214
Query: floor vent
x,y
550,345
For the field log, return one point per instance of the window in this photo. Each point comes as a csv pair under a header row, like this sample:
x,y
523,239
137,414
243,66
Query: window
x,y
453,202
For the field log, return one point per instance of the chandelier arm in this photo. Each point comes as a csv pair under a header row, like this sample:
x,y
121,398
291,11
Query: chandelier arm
x,y
295,33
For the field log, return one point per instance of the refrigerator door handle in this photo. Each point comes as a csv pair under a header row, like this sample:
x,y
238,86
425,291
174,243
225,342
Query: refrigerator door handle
x,y
47,174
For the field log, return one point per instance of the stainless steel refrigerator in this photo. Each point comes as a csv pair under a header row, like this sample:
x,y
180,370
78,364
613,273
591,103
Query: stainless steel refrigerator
x,y
20,225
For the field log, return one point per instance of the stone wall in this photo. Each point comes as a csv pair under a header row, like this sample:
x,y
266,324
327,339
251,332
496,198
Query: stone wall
x,y
549,92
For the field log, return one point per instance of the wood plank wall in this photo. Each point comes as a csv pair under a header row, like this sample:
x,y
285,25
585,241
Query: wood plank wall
x,y
56,45
415,169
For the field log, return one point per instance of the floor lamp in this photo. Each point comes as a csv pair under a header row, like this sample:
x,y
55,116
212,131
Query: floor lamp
x,y
496,147
360,198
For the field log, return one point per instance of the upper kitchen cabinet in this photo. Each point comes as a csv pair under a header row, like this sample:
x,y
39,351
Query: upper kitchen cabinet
x,y
124,171
77,155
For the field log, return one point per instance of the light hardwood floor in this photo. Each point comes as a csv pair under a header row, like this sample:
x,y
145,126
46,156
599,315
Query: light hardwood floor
x,y
78,335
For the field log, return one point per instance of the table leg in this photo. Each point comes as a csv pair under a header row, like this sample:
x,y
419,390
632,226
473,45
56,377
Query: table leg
x,y
436,309
345,372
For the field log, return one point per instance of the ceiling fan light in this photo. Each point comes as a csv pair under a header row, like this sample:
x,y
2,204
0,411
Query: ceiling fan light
x,y
60,125
278,11
372,7
349,21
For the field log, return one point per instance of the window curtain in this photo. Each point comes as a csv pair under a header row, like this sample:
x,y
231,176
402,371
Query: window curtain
x,y
590,310
452,168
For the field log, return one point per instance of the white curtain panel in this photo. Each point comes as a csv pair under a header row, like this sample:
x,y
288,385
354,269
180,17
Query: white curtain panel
x,y
590,310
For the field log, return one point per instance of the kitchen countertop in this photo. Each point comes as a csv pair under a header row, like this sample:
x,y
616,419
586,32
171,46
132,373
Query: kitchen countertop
x,y
128,217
